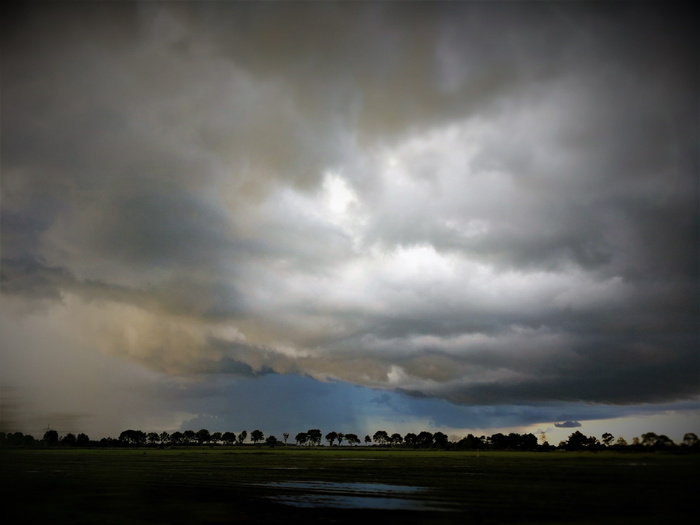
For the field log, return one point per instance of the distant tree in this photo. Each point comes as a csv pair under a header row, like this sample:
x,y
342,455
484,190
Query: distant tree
x,y
649,439
203,436
229,438
133,437
380,437
190,436
663,441
410,439
514,441
498,441
691,440
331,437
314,436
440,440
216,437
109,442
301,438
368,440
51,437
425,439
164,438
527,442
396,439
285,435
16,439
341,437
82,440
69,440
621,442
470,442
607,439
271,441
576,441
635,442
257,436
592,443
352,439
152,438
177,438
242,436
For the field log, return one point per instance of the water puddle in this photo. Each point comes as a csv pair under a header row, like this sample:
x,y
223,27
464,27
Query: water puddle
x,y
320,494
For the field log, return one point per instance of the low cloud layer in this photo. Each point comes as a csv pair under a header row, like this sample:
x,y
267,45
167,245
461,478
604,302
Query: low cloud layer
x,y
484,204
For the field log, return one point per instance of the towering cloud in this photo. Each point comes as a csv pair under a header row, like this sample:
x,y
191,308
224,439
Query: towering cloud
x,y
484,203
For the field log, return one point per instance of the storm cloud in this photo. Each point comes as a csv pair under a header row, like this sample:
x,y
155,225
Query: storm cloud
x,y
481,204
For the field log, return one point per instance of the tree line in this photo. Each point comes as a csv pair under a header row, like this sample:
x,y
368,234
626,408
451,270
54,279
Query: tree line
x,y
577,441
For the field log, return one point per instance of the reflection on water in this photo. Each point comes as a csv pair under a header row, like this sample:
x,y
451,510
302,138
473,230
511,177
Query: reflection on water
x,y
317,494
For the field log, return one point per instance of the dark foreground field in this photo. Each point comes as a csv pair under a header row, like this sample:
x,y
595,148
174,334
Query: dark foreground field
x,y
289,486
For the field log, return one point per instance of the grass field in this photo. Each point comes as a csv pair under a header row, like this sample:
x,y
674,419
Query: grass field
x,y
332,485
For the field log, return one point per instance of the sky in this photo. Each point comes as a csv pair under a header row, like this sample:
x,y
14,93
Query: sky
x,y
466,217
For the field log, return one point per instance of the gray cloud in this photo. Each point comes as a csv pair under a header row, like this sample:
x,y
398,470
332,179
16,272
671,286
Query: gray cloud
x,y
484,204
568,424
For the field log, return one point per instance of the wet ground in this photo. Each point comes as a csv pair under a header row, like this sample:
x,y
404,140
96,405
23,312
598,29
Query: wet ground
x,y
358,487
321,494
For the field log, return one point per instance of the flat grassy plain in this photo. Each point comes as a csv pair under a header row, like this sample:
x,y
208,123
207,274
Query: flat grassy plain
x,y
343,485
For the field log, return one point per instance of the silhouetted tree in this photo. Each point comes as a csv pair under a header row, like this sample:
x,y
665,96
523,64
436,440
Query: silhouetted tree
x,y
271,441
242,436
152,438
470,442
691,440
368,440
380,437
651,439
341,436
69,440
82,440
177,438
164,438
331,437
257,436
51,437
592,443
133,437
498,441
285,435
440,440
301,438
663,441
396,439
410,439
189,435
576,441
425,439
528,442
16,440
203,436
314,436
216,437
229,438
352,439
607,439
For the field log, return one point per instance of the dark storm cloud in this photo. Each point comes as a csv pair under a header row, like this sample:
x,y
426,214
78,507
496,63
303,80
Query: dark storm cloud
x,y
481,203
568,424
